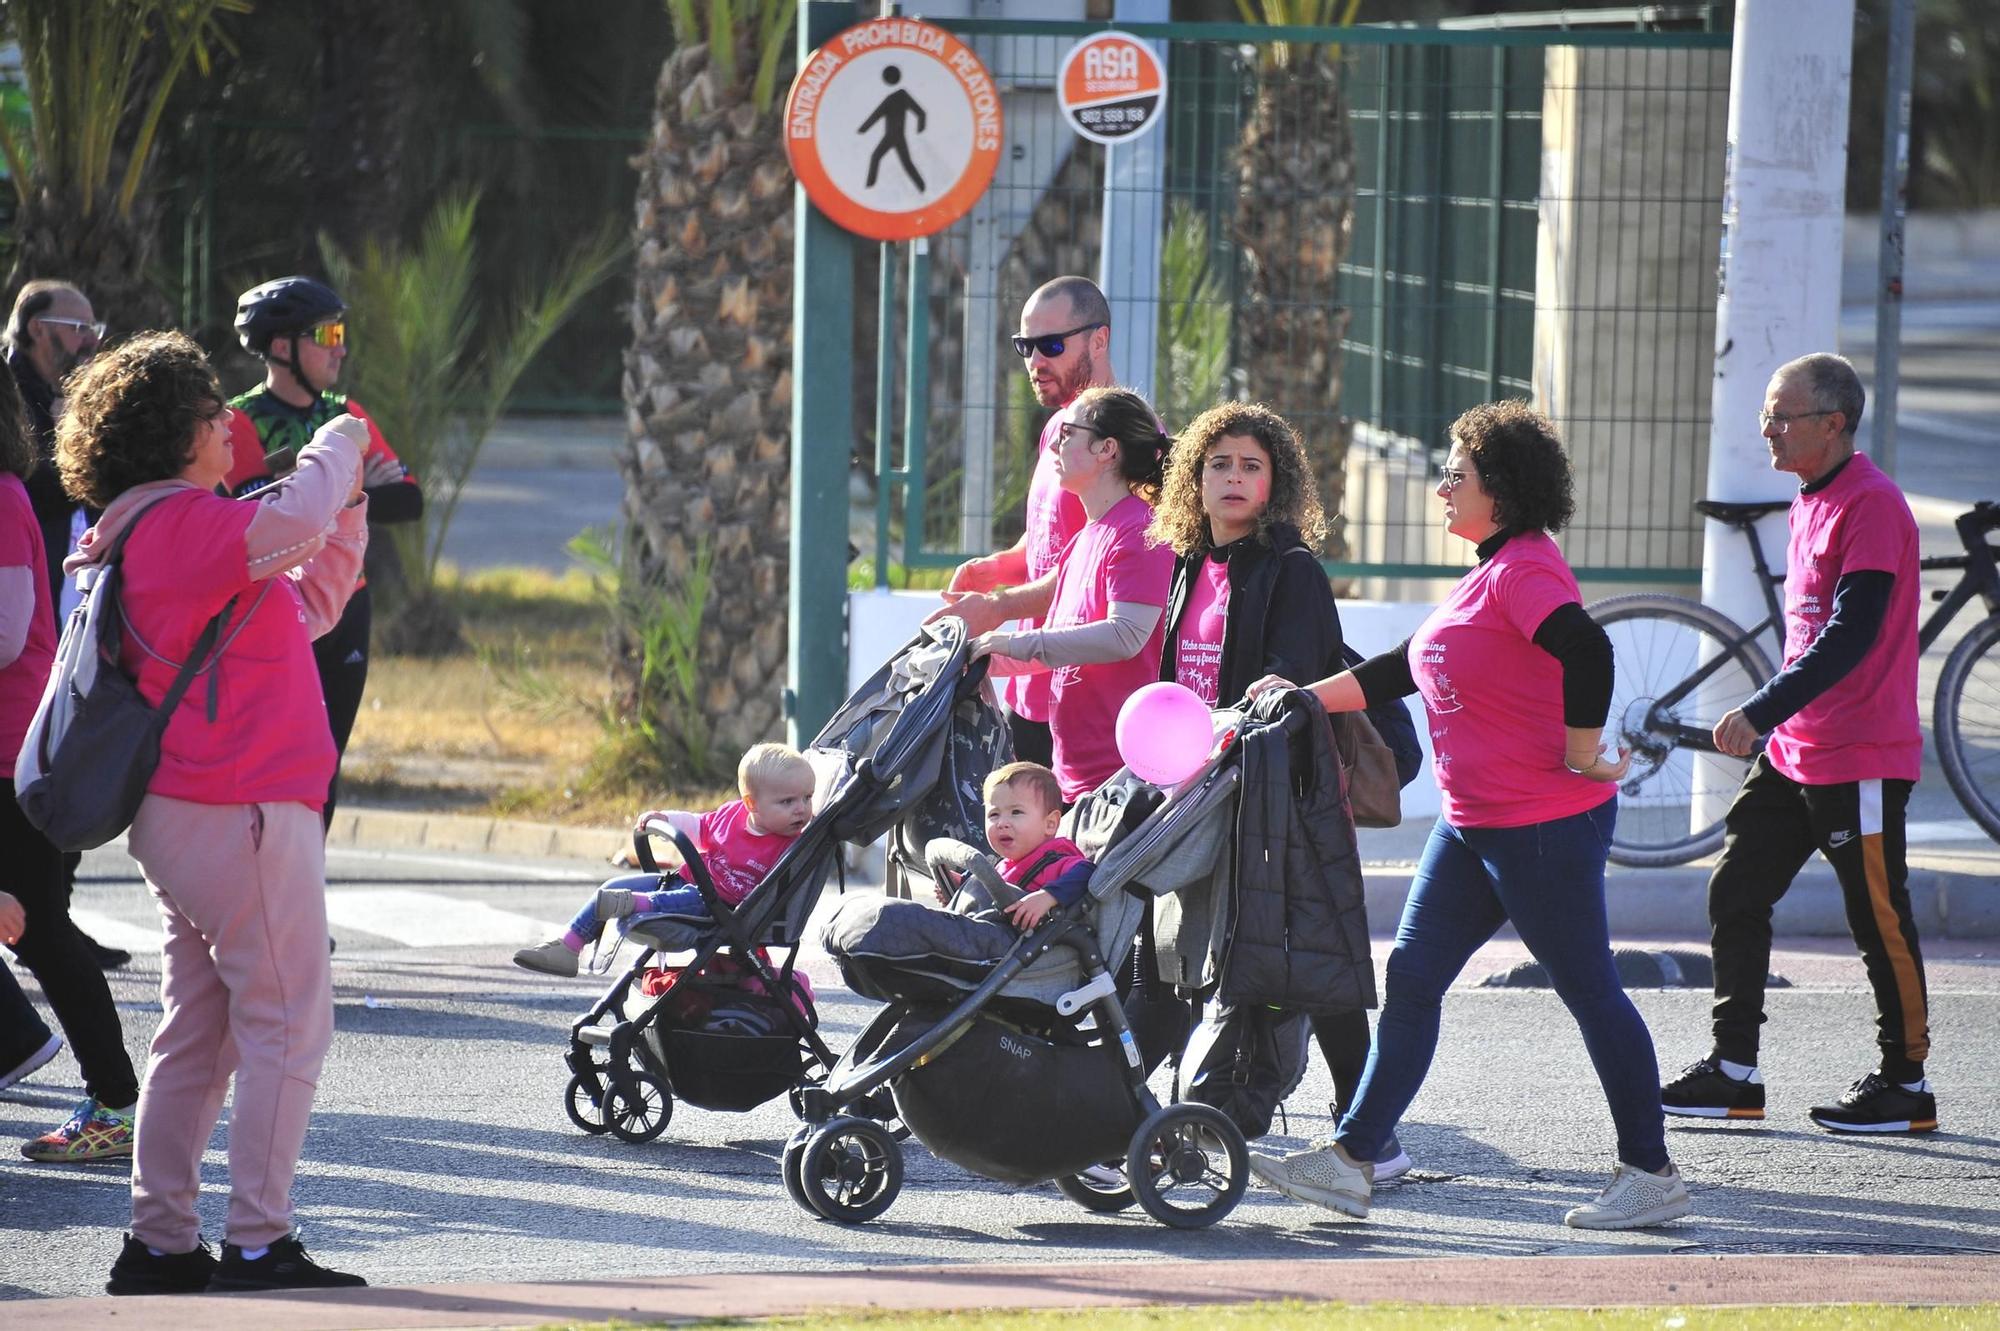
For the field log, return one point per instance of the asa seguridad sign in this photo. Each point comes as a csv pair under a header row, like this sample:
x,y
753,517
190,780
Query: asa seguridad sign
x,y
893,128
1112,87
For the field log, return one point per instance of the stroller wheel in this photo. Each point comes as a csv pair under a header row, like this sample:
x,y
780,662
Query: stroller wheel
x,y
794,1157
585,1102
639,1110
1188,1166
851,1170
1092,1195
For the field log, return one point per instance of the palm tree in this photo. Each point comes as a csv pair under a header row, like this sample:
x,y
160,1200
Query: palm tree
x,y
1294,220
99,77
708,372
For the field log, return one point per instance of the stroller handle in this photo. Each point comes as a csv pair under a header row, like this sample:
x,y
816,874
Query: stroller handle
x,y
950,856
691,862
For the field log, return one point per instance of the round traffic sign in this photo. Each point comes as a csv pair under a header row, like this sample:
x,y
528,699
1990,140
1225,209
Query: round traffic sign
x,y
1112,87
893,128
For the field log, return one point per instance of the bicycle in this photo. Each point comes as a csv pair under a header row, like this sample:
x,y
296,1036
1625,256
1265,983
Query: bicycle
x,y
1680,665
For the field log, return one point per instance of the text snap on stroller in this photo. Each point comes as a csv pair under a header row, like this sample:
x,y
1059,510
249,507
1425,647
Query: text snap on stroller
x,y
727,1029
1010,1054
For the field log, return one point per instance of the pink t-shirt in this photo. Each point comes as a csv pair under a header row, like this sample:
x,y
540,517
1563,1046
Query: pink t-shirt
x,y
1198,640
1865,727
269,741
24,679
1066,852
1494,699
1054,516
737,858
1109,560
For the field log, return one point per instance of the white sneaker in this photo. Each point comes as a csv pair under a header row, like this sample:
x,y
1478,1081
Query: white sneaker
x,y
1107,1177
1392,1162
1634,1199
1327,1177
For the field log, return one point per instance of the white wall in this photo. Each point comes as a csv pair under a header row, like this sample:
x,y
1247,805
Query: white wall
x,y
879,623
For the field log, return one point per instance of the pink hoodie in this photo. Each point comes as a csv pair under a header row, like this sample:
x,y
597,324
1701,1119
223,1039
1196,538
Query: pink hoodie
x,y
290,557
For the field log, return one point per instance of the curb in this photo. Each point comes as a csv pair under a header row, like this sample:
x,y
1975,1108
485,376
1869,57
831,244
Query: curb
x,y
1672,903
1690,1278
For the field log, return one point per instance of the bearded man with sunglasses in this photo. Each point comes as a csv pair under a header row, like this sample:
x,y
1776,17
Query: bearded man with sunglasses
x,y
51,332
1065,344
296,325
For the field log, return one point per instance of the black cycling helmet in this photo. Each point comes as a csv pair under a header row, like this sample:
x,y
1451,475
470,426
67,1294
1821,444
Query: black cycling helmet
x,y
283,308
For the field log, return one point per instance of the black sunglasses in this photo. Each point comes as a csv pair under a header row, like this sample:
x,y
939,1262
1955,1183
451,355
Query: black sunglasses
x,y
1050,345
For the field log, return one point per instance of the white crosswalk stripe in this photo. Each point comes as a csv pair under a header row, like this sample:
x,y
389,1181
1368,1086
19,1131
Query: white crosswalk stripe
x,y
412,918
428,919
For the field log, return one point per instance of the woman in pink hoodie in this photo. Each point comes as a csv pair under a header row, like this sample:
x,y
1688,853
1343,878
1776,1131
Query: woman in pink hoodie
x,y
229,834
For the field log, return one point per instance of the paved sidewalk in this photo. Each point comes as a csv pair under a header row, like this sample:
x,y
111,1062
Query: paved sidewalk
x,y
1955,887
1688,1280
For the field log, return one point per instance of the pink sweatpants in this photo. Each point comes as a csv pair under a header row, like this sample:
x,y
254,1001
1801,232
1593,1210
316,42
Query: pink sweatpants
x,y
245,988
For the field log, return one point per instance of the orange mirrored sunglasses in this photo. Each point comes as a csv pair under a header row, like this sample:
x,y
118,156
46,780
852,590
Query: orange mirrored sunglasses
x,y
330,334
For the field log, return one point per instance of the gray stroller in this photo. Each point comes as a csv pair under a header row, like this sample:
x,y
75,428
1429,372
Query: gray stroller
x,y
1009,1054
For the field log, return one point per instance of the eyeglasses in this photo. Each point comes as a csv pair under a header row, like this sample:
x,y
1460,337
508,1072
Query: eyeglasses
x,y
1451,478
330,334
96,330
1050,345
1070,431
1783,420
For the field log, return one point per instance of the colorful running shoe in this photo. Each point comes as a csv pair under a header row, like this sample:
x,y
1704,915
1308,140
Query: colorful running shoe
x,y
93,1132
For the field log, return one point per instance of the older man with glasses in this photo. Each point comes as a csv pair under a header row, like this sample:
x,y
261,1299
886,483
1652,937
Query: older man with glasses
x,y
1065,346
1841,750
52,331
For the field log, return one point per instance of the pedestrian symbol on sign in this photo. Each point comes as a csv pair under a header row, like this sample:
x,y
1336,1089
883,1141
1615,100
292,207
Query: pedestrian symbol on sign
x,y
897,107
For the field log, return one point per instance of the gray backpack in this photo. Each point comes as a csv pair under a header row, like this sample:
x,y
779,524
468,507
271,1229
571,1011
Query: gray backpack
x,y
94,742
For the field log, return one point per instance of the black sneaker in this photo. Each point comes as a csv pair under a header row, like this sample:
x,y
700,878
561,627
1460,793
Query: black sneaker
x,y
1704,1090
285,1266
137,1271
1876,1104
107,958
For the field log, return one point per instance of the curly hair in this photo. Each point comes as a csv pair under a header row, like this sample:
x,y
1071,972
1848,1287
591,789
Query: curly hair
x,y
17,440
1179,520
1122,415
132,416
1521,464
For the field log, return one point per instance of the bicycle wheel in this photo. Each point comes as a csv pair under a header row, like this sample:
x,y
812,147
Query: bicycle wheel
x,y
1966,720
1679,667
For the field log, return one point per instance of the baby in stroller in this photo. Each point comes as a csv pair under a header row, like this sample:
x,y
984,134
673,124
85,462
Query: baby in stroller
x,y
739,842
1024,811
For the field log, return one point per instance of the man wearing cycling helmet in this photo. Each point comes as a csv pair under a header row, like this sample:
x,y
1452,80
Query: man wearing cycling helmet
x,y
295,324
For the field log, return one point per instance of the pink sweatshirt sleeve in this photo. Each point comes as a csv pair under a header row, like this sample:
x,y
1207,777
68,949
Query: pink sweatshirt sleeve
x,y
296,516
328,579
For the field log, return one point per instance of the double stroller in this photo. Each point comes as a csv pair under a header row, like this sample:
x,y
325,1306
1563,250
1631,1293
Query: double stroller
x,y
1010,1054
728,1029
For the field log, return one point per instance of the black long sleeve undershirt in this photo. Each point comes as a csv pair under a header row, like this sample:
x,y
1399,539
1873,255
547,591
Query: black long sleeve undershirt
x,y
1860,606
397,501
1571,636
1568,634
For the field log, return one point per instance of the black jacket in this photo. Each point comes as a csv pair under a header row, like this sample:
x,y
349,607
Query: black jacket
x,y
53,506
1298,927
1301,641
1283,620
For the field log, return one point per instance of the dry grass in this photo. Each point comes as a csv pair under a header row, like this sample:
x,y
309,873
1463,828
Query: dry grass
x,y
511,727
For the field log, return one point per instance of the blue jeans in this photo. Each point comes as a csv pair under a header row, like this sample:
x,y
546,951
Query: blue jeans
x,y
1548,879
669,901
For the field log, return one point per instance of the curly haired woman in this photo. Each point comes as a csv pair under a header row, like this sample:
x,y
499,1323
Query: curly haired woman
x,y
1516,679
228,835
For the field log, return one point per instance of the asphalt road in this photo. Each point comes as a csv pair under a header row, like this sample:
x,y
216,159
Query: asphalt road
x,y
440,1151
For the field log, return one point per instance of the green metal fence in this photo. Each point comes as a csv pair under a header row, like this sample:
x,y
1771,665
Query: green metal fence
x,y
1371,229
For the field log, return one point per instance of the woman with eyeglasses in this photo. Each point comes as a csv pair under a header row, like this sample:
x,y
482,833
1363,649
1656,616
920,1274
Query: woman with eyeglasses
x,y
228,835
1516,680
1102,603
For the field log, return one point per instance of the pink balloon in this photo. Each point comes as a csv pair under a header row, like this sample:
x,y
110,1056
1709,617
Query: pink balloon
x,y
1164,733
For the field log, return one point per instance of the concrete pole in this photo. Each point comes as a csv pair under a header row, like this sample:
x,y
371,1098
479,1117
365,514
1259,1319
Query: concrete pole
x,y
1779,278
1895,204
1134,230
